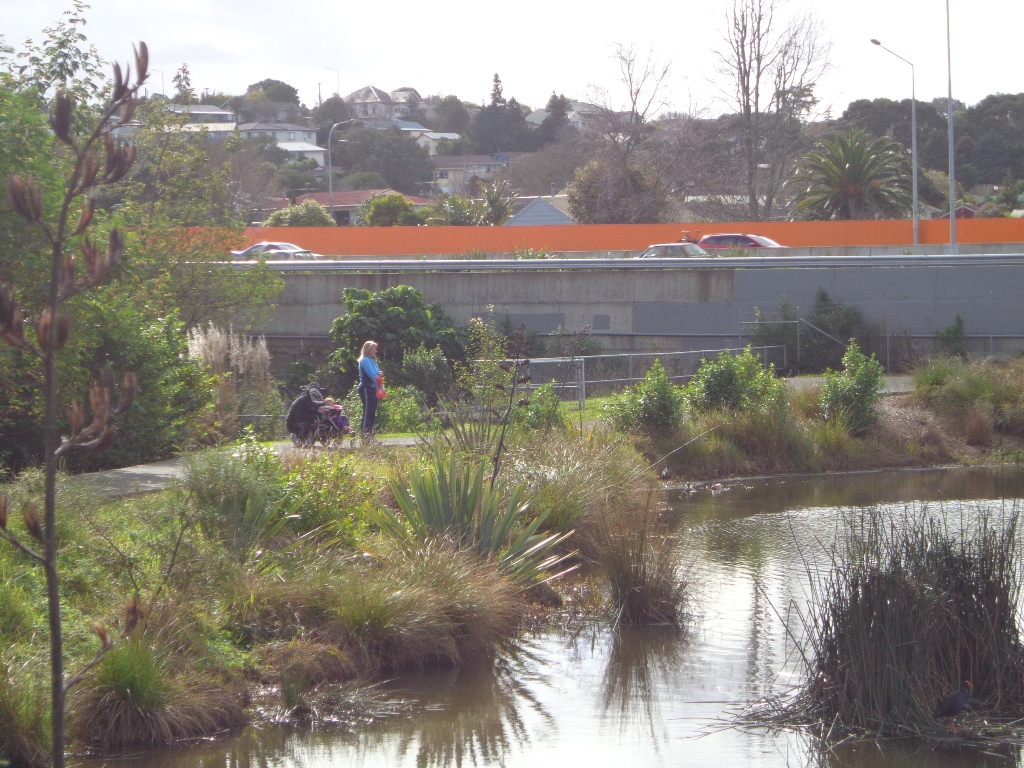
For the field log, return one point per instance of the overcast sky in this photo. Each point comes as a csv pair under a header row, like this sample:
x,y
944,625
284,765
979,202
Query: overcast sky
x,y
455,47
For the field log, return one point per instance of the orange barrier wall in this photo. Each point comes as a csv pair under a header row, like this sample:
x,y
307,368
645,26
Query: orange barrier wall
x,y
399,241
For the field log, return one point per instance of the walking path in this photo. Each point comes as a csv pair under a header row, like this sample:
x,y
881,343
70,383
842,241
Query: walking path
x,y
147,478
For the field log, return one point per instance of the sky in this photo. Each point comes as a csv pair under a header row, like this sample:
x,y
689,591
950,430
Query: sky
x,y
536,46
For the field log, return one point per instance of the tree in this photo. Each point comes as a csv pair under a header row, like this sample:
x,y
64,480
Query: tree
x,y
186,94
308,213
773,73
398,320
602,193
455,211
848,176
501,125
498,198
403,163
331,111
556,122
391,211
83,140
451,116
274,90
414,111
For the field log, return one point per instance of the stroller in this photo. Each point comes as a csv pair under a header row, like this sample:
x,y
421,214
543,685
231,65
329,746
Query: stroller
x,y
308,422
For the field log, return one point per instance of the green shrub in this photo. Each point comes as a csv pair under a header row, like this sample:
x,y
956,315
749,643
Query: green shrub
x,y
654,405
542,409
737,382
428,370
953,338
329,492
841,321
852,394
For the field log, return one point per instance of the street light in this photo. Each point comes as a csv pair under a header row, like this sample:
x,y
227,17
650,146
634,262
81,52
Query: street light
x,y
949,125
913,136
330,169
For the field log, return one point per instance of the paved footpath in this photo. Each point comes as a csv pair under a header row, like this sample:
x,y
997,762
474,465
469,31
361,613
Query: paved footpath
x,y
147,478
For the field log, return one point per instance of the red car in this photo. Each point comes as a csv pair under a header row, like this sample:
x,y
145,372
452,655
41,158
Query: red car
x,y
737,241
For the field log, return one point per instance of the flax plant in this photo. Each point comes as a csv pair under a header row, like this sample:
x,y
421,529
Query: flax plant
x,y
96,160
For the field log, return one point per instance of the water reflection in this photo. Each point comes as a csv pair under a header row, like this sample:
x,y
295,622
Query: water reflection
x,y
651,697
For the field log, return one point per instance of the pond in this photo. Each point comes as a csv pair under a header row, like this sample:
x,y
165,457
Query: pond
x,y
597,697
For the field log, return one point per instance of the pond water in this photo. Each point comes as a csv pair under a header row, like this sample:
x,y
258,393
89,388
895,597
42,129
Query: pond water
x,y
596,697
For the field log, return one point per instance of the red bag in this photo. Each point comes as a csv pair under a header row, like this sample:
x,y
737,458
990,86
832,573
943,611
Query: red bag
x,y
381,392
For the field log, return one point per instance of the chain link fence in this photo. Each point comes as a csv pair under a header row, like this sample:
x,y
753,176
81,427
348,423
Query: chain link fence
x,y
600,375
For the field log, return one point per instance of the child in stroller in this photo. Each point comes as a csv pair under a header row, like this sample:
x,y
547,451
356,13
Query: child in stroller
x,y
333,421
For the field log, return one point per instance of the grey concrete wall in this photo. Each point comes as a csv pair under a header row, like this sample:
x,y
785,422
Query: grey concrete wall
x,y
675,309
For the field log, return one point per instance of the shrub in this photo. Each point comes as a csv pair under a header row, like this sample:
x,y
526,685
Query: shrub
x,y
542,410
428,370
953,338
654,405
330,492
737,382
853,393
308,213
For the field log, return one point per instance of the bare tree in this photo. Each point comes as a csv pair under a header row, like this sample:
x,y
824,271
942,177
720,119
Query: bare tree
x,y
773,69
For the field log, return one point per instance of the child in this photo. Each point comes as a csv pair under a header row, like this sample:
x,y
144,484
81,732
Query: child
x,y
334,414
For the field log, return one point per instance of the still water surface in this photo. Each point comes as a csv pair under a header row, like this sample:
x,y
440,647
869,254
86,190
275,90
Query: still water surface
x,y
594,697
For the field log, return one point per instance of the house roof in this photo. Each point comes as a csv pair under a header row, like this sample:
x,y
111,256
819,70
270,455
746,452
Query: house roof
x,y
367,94
299,146
467,161
209,127
197,109
539,211
353,198
274,127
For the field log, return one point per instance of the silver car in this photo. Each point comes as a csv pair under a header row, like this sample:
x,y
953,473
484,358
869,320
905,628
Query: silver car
x,y
274,252
673,251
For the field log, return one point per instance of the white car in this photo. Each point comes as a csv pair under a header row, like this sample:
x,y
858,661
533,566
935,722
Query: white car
x,y
673,251
274,252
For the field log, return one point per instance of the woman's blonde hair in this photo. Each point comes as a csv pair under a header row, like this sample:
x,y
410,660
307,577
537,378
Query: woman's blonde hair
x,y
367,346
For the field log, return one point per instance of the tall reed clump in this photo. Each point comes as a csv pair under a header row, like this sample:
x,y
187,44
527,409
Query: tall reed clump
x,y
640,558
910,608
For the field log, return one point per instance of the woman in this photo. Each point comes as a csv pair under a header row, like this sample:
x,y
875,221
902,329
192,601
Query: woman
x,y
368,376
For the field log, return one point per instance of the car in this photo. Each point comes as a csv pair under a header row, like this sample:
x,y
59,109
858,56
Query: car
x,y
673,251
274,252
737,241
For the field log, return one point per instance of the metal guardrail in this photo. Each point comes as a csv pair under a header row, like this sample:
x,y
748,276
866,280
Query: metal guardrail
x,y
568,265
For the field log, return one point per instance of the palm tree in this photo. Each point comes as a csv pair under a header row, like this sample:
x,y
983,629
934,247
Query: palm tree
x,y
848,176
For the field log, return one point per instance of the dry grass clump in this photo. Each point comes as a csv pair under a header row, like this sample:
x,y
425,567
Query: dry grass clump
x,y
909,609
967,394
640,558
298,667
438,604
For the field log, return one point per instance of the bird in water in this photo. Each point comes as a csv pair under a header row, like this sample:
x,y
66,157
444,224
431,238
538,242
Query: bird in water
x,y
952,704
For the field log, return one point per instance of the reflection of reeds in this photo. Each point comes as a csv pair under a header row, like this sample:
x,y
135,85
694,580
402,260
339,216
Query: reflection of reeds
x,y
909,609
640,661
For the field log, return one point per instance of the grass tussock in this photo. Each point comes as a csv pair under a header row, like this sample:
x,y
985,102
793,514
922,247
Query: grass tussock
x,y
24,720
136,699
909,609
639,557
437,604
982,399
298,667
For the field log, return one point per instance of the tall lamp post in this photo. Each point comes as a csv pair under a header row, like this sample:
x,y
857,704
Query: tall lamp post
x,y
949,125
913,137
330,169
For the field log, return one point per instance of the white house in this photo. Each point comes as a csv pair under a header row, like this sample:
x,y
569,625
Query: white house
x,y
281,132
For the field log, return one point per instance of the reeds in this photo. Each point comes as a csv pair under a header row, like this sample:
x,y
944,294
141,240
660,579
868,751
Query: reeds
x,y
24,719
909,609
640,559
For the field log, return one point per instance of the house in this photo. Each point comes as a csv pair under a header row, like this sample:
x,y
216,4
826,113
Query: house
x,y
343,204
203,113
303,150
371,104
431,139
463,173
541,211
281,132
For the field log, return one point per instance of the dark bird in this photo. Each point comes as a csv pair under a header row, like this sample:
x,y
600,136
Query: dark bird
x,y
665,474
953,704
